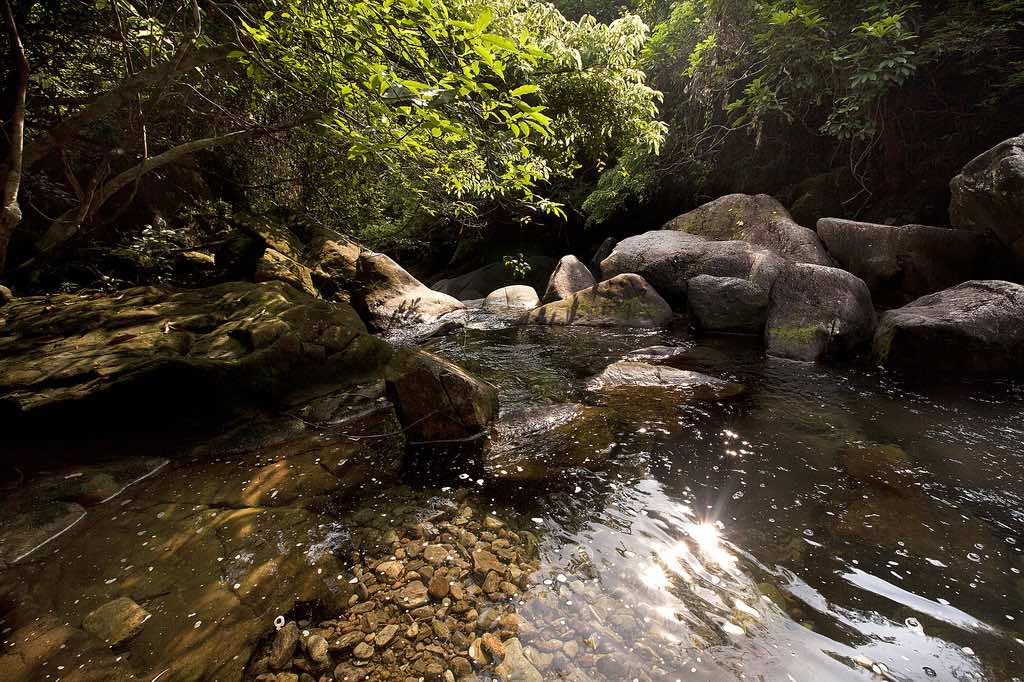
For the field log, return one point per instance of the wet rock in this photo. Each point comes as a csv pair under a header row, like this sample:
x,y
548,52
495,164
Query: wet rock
x,y
412,596
33,525
150,356
438,587
385,635
515,667
317,649
886,466
988,195
116,621
517,297
392,570
345,672
901,263
728,304
570,276
759,220
537,443
393,298
484,563
283,648
974,328
438,400
627,374
625,300
818,312
668,260
363,651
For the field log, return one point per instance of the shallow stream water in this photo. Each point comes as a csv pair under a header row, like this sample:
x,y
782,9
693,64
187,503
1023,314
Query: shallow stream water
x,y
686,538
728,540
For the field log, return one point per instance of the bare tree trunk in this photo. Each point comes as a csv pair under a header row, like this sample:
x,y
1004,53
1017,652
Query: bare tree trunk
x,y
10,211
67,224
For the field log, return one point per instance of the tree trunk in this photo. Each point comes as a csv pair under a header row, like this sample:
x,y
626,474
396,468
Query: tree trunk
x,y
68,223
10,211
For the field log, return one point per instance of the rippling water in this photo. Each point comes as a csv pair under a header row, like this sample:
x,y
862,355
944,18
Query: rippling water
x,y
734,540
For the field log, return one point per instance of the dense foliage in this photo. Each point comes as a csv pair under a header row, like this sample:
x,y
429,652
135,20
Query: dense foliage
x,y
406,122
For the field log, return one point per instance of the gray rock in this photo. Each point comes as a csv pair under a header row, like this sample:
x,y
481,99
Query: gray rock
x,y
818,311
904,262
538,443
629,374
116,621
603,251
760,220
515,667
669,260
439,401
974,328
570,276
412,596
626,300
6,296
988,195
393,298
728,304
517,297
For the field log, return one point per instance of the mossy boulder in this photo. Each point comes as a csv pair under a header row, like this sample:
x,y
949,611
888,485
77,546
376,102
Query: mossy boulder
x,y
156,358
818,312
623,301
758,219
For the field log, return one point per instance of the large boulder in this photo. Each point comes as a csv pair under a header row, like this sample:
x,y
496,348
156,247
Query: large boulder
x,y
625,300
988,195
669,260
570,276
391,297
480,282
758,219
437,400
151,355
976,327
275,266
603,251
728,304
334,262
901,263
517,297
818,311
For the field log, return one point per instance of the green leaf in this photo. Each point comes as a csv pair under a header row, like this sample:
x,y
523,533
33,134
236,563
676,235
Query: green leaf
x,y
524,90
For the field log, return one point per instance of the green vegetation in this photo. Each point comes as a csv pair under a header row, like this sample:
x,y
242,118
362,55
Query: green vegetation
x,y
422,126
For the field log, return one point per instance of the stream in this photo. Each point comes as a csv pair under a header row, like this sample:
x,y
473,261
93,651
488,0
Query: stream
x,y
726,540
823,522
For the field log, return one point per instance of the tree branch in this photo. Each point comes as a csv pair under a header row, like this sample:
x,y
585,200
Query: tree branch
x,y
119,97
10,211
